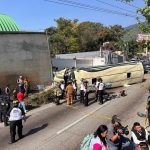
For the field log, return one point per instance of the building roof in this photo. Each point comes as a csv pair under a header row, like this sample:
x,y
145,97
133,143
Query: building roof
x,y
8,24
78,55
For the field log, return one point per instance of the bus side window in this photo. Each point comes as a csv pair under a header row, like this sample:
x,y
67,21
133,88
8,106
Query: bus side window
x,y
128,75
94,81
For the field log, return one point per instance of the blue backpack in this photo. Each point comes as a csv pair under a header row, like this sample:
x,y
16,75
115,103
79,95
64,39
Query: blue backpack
x,y
85,144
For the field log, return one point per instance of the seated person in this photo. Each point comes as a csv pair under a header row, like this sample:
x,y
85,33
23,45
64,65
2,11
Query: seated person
x,y
138,133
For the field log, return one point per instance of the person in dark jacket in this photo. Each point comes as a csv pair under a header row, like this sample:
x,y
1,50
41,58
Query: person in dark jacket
x,y
138,133
4,108
16,114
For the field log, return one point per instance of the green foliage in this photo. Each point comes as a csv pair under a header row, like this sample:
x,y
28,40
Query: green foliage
x,y
70,36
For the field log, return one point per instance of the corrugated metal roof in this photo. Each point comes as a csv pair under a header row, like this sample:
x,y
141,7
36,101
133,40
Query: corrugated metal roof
x,y
8,24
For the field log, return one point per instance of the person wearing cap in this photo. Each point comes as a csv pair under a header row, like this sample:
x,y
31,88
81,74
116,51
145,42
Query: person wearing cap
x,y
69,93
16,114
115,139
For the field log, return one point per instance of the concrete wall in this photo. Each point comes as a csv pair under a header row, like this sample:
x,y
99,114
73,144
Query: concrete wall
x,y
26,54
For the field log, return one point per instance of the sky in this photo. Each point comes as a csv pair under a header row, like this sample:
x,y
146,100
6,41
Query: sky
x,y
37,15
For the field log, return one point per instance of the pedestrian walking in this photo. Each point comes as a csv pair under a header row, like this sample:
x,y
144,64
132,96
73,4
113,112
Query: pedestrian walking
x,y
69,93
15,118
99,140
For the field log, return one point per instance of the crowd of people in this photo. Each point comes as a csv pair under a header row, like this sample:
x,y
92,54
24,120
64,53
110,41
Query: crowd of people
x,y
69,90
114,137
13,113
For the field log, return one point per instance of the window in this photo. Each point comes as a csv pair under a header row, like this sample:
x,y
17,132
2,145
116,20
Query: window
x,y
128,75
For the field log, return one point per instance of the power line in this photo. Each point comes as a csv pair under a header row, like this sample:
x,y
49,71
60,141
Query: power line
x,y
128,4
89,7
114,6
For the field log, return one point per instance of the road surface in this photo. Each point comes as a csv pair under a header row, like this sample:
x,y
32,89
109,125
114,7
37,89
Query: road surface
x,y
63,127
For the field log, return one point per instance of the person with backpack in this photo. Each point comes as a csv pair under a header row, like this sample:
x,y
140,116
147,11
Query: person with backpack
x,y
99,142
95,141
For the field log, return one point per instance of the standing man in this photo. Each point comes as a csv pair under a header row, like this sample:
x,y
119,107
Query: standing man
x,y
20,83
96,88
66,74
4,108
100,88
85,93
62,87
16,116
74,83
21,97
82,91
69,93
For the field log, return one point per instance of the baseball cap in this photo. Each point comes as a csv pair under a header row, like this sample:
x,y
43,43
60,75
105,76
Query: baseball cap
x,y
115,118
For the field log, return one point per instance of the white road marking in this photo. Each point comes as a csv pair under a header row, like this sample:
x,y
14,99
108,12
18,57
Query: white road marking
x,y
77,121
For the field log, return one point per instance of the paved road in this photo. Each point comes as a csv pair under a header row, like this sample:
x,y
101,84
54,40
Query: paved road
x,y
62,127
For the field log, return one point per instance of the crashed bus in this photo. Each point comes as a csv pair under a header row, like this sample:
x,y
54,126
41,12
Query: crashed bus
x,y
116,74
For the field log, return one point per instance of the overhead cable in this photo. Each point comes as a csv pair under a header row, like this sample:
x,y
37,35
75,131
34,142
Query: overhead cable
x,y
89,7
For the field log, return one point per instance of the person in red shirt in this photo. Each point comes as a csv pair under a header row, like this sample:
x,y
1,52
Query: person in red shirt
x,y
21,97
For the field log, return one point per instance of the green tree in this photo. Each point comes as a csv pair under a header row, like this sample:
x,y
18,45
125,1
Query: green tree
x,y
88,36
63,38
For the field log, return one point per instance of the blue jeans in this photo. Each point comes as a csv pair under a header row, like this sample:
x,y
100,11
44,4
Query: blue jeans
x,y
22,104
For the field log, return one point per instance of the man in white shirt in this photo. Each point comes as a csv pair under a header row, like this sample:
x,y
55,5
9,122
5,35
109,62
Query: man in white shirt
x,y
15,118
138,133
100,90
62,87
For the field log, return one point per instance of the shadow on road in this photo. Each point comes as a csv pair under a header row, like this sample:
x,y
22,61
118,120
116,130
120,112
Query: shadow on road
x,y
35,130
